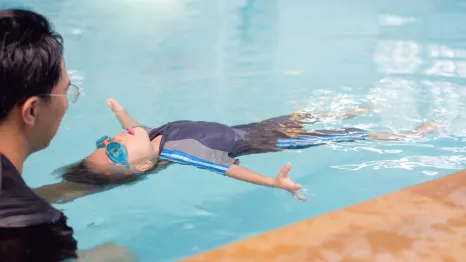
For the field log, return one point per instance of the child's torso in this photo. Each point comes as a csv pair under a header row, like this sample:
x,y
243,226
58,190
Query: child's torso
x,y
187,134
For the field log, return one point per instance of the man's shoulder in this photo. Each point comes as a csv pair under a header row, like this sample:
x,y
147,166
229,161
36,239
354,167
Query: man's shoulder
x,y
7,169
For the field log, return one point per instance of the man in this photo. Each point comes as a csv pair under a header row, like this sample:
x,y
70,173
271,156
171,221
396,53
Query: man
x,y
35,91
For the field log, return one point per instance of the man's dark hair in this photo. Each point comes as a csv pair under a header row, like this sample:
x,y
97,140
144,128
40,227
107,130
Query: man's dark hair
x,y
30,58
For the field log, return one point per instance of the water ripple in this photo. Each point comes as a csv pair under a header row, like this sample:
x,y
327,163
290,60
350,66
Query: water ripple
x,y
453,162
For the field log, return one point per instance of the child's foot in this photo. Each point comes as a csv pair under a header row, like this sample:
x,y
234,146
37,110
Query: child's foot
x,y
429,126
360,110
364,109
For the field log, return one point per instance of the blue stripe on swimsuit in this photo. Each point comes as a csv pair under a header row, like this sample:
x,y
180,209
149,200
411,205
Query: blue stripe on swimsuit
x,y
314,140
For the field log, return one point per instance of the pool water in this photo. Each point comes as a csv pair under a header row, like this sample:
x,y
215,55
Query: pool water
x,y
235,62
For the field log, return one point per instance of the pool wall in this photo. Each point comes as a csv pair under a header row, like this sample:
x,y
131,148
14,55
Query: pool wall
x,y
425,222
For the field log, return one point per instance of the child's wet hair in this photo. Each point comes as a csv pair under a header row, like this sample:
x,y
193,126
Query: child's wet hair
x,y
79,172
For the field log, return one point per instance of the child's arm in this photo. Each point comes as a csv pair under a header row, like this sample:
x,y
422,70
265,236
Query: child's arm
x,y
219,161
121,114
280,181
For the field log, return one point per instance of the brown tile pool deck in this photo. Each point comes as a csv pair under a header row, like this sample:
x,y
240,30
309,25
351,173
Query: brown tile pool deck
x,y
425,222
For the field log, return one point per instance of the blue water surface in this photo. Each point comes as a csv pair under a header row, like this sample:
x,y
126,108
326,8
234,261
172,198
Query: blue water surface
x,y
238,61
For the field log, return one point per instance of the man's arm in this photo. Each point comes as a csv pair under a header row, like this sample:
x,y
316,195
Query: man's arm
x,y
64,191
107,252
67,191
281,181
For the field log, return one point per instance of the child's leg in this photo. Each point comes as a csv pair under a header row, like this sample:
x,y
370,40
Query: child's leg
x,y
342,115
419,132
318,137
297,120
305,139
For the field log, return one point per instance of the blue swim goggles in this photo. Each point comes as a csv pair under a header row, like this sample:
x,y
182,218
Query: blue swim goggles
x,y
116,152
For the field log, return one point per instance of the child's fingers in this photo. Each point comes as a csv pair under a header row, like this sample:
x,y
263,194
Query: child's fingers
x,y
299,196
284,170
113,104
109,104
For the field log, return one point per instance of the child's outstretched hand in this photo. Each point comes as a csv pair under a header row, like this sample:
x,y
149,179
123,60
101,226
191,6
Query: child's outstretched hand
x,y
126,121
283,181
114,105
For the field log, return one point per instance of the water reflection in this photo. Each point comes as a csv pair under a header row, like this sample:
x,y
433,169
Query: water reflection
x,y
446,52
403,57
416,75
450,162
454,149
250,46
395,20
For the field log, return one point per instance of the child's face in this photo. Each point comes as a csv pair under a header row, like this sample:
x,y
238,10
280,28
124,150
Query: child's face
x,y
140,153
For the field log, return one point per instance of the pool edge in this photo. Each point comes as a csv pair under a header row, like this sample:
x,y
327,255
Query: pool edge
x,y
424,222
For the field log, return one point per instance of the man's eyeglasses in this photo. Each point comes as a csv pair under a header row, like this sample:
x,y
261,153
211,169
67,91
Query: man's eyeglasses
x,y
72,94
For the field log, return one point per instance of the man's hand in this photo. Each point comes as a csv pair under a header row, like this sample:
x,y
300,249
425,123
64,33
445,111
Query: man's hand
x,y
283,181
107,252
114,105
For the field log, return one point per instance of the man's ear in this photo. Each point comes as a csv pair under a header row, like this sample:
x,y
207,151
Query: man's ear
x,y
145,166
29,110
